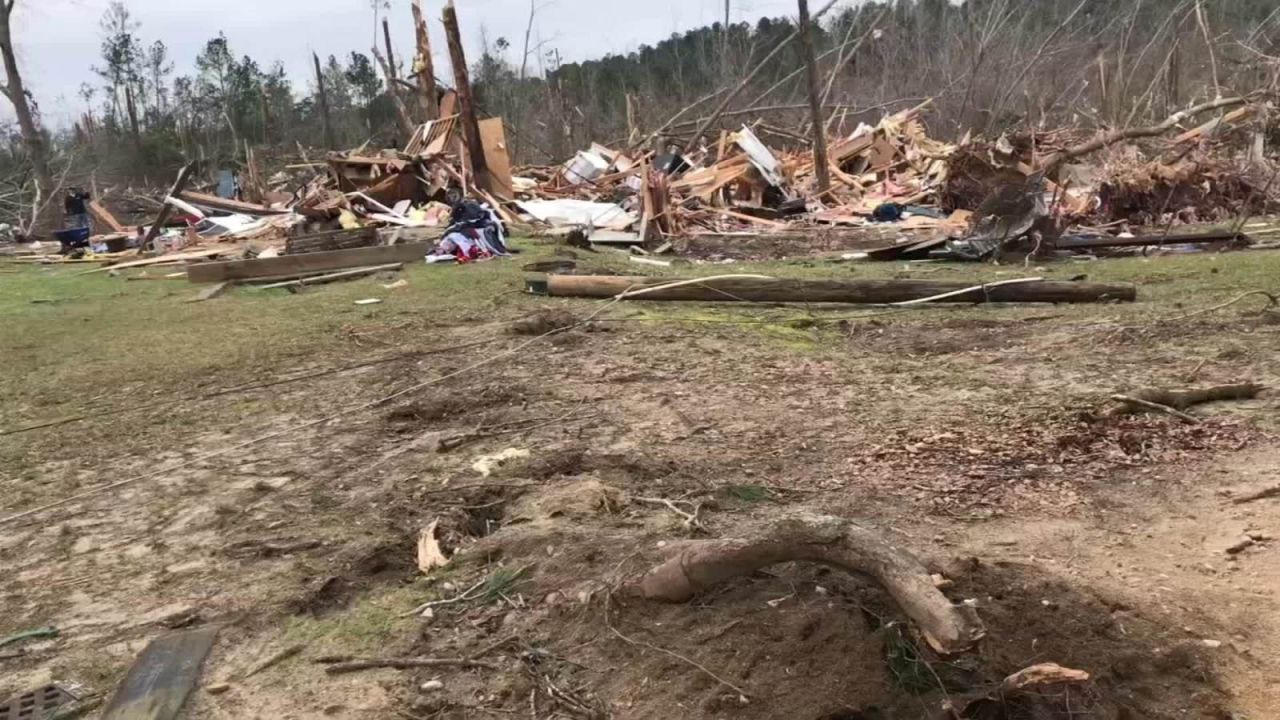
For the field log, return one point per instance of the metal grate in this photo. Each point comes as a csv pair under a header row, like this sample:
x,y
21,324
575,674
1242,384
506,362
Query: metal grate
x,y
36,705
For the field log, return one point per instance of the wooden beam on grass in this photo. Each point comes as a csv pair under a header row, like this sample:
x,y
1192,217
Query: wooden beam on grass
x,y
874,292
297,265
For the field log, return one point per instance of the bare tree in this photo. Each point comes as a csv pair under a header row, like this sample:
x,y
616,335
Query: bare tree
x,y
16,92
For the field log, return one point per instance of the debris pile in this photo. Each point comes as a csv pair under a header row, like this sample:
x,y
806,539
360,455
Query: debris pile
x,y
896,193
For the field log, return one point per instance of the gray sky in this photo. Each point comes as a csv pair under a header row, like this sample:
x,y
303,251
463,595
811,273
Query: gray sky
x,y
58,40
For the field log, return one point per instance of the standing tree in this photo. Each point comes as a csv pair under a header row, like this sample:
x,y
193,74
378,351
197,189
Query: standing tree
x,y
32,136
121,57
159,68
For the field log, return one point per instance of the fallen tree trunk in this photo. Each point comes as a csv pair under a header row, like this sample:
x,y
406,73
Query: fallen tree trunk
x,y
1115,136
1182,399
828,291
948,628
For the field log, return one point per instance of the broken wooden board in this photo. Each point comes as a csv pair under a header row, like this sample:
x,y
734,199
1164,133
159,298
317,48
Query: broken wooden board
x,y
211,292
105,217
296,265
164,675
493,138
213,202
172,257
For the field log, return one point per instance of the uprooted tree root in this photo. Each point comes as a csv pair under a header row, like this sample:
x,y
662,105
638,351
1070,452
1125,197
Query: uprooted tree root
x,y
698,567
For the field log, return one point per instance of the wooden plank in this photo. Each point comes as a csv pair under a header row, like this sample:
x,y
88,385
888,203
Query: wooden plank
x,y
164,675
178,257
493,138
295,265
105,216
333,277
213,202
831,291
211,292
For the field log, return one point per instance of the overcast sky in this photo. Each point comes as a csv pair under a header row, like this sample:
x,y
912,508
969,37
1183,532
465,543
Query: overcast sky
x,y
58,40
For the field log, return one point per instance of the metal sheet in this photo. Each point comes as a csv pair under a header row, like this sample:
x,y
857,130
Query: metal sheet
x,y
162,677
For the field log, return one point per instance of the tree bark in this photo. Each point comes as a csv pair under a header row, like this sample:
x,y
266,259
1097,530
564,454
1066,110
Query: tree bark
x,y
1115,136
701,566
32,136
425,67
820,167
466,104
403,120
832,291
326,126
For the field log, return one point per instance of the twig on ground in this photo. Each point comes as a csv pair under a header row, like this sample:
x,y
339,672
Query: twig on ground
x,y
1270,297
276,659
1157,407
741,695
1267,494
691,520
350,666
449,601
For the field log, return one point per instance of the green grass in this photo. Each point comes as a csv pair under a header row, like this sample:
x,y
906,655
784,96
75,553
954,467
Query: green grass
x,y
101,336
367,626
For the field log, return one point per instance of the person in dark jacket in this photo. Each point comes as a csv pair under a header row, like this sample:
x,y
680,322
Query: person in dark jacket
x,y
76,206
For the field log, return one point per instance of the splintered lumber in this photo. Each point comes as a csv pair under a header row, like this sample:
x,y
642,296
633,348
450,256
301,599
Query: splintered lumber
x,y
213,202
1210,236
333,240
104,215
165,259
334,277
297,265
761,289
493,138
164,675
184,176
701,566
466,104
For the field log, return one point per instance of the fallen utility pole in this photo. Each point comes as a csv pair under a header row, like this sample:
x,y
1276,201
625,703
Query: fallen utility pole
x,y
873,292
815,102
466,104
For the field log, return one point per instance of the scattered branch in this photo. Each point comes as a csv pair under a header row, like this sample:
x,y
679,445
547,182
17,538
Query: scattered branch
x,y
342,666
832,541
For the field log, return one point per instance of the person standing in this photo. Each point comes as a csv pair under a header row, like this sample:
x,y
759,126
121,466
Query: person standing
x,y
77,209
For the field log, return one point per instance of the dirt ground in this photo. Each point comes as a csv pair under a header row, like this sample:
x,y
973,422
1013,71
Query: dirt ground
x,y
282,502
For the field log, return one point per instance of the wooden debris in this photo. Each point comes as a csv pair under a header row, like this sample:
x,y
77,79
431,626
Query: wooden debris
x,y
1174,402
275,659
1266,494
334,277
430,556
297,265
213,202
828,291
184,176
1041,675
699,567
211,292
104,216
340,666
166,259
